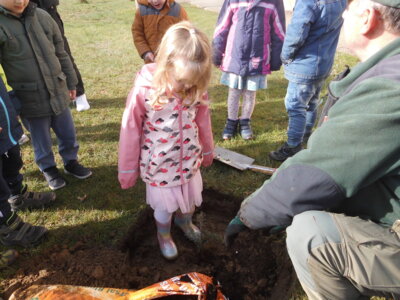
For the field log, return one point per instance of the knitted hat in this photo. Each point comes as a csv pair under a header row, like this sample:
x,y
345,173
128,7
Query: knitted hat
x,y
390,3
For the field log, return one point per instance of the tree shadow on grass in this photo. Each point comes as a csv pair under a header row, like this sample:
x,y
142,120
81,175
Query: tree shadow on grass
x,y
269,117
105,132
107,103
101,191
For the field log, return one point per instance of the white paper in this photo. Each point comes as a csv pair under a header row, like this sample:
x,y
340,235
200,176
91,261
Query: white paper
x,y
82,103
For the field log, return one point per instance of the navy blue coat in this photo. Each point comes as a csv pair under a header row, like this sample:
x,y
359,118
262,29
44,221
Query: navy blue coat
x,y
249,36
11,129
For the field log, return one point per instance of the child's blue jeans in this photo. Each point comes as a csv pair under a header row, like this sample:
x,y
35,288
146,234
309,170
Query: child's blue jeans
x,y
301,105
63,127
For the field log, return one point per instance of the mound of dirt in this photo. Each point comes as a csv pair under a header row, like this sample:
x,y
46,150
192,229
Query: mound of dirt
x,y
256,267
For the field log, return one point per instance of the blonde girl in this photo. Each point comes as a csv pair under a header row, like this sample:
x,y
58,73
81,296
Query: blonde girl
x,y
166,132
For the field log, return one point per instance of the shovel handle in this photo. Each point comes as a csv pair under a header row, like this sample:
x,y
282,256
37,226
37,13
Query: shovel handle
x,y
262,169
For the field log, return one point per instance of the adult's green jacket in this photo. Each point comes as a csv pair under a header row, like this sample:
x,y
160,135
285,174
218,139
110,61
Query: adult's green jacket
x,y
352,162
35,63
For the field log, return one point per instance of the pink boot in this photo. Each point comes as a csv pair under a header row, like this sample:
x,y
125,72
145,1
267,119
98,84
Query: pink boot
x,y
191,231
167,245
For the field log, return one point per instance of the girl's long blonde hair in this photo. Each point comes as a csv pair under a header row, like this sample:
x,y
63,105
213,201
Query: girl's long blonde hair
x,y
184,43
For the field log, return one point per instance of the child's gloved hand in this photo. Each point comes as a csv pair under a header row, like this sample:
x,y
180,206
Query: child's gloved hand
x,y
208,159
234,227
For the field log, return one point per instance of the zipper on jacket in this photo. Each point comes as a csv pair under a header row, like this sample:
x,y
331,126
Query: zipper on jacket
x,y
8,121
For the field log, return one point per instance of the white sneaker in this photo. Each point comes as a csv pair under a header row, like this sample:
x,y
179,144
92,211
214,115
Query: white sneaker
x,y
82,103
24,138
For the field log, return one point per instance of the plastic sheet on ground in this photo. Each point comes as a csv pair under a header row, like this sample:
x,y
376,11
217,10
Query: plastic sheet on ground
x,y
191,284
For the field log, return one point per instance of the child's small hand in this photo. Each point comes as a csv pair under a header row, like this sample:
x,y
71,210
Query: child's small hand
x,y
207,159
127,180
72,94
149,57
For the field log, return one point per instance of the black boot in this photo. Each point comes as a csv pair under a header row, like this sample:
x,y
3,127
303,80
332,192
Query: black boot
x,y
15,232
284,152
30,200
230,129
245,129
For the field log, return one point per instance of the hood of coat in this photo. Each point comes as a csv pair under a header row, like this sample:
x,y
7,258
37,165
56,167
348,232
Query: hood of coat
x,y
146,2
145,77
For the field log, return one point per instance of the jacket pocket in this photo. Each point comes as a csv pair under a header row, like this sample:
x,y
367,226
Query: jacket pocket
x,y
28,94
62,81
61,87
26,91
62,76
24,86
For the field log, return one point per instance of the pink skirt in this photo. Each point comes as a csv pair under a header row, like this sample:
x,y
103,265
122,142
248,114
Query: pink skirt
x,y
183,197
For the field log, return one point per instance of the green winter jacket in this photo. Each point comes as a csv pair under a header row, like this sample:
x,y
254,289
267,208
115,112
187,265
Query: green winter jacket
x,y
35,63
352,162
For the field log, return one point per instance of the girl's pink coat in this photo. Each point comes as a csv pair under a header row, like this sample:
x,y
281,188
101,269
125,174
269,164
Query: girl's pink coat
x,y
163,144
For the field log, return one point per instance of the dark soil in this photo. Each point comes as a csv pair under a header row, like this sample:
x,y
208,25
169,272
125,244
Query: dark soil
x,y
256,267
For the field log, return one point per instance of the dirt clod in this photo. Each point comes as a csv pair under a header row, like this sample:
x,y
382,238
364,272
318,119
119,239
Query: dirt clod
x,y
98,272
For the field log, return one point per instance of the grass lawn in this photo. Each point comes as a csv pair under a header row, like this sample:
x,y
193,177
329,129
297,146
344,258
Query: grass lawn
x,y
97,209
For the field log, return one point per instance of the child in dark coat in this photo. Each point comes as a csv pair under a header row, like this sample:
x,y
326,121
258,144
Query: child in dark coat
x,y
42,75
14,195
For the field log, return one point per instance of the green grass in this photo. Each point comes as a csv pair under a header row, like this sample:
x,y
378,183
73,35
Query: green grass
x,y
100,37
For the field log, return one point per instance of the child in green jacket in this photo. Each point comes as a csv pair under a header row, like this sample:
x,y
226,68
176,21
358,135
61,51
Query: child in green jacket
x,y
41,74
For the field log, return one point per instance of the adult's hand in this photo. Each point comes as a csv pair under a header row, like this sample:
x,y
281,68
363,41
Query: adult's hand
x,y
234,227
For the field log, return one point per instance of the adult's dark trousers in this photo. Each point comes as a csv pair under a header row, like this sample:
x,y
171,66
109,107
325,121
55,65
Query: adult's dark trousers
x,y
10,179
80,89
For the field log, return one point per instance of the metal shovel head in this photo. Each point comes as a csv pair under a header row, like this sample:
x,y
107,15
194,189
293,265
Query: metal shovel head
x,y
232,158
